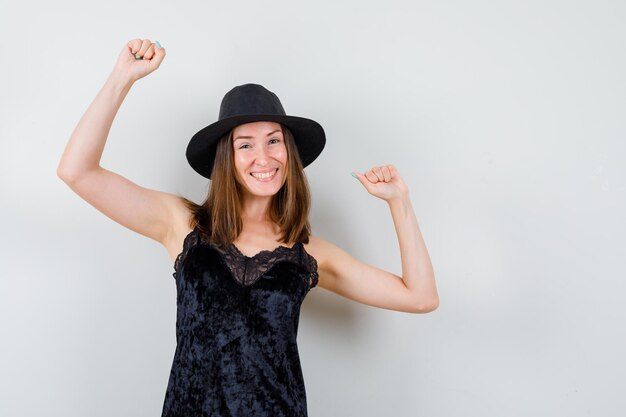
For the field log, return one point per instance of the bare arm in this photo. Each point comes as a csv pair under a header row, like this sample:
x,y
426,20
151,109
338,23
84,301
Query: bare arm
x,y
142,210
415,291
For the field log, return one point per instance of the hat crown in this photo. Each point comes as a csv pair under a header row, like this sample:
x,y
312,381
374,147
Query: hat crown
x,y
250,99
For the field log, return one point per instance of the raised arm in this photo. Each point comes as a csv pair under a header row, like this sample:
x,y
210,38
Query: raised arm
x,y
415,291
145,211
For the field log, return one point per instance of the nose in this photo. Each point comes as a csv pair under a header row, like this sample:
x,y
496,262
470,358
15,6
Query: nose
x,y
261,155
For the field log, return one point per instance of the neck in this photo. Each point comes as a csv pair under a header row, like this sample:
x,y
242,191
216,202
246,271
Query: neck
x,y
256,209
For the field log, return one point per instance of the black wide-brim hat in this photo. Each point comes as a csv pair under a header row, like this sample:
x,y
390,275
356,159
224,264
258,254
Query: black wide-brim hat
x,y
252,103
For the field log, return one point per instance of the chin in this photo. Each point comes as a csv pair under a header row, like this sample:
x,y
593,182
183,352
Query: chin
x,y
262,191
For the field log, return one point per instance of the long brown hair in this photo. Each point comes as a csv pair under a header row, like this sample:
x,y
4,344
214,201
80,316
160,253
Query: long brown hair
x,y
218,218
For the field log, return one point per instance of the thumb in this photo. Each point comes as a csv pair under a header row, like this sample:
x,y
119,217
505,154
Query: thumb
x,y
159,54
360,177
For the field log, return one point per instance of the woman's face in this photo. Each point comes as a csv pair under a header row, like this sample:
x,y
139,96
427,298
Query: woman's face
x,y
260,157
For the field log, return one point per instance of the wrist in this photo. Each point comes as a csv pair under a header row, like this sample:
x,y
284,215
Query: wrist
x,y
120,81
401,199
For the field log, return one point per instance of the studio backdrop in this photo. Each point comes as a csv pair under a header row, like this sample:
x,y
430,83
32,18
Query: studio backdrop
x,y
505,119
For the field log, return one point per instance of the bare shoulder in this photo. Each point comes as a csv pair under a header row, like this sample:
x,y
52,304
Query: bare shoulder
x,y
325,253
179,227
321,249
316,248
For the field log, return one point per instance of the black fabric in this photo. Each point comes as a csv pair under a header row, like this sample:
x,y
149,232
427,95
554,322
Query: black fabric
x,y
236,328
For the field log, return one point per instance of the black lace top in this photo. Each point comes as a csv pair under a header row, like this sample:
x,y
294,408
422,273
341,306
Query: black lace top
x,y
236,327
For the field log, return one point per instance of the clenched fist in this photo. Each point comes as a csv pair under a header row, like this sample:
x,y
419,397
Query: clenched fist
x,y
138,58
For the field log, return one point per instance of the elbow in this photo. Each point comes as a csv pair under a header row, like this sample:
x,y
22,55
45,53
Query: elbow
x,y
66,178
428,307
68,175
434,305
62,174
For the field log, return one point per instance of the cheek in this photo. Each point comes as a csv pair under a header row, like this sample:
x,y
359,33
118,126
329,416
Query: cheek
x,y
240,161
240,166
281,154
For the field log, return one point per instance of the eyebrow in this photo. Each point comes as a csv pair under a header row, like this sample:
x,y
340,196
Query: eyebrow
x,y
250,137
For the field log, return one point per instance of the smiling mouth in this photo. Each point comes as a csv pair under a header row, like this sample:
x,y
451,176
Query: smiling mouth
x,y
264,177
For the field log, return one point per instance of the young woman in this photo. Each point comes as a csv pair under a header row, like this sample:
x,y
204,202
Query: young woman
x,y
244,259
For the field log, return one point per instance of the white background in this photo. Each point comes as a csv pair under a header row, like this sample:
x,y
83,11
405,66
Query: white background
x,y
505,118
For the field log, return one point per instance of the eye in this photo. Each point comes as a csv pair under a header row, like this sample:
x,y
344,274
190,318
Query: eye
x,y
276,139
241,147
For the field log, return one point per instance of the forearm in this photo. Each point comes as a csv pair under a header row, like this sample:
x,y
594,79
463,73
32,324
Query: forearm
x,y
417,269
84,149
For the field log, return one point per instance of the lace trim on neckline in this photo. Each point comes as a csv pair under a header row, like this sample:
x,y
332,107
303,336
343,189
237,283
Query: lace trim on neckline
x,y
246,270
262,252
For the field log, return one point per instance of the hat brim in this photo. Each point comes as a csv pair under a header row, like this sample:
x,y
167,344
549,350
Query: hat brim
x,y
308,134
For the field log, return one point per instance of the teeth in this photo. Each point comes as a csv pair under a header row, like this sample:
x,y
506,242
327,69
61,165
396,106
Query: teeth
x,y
266,175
